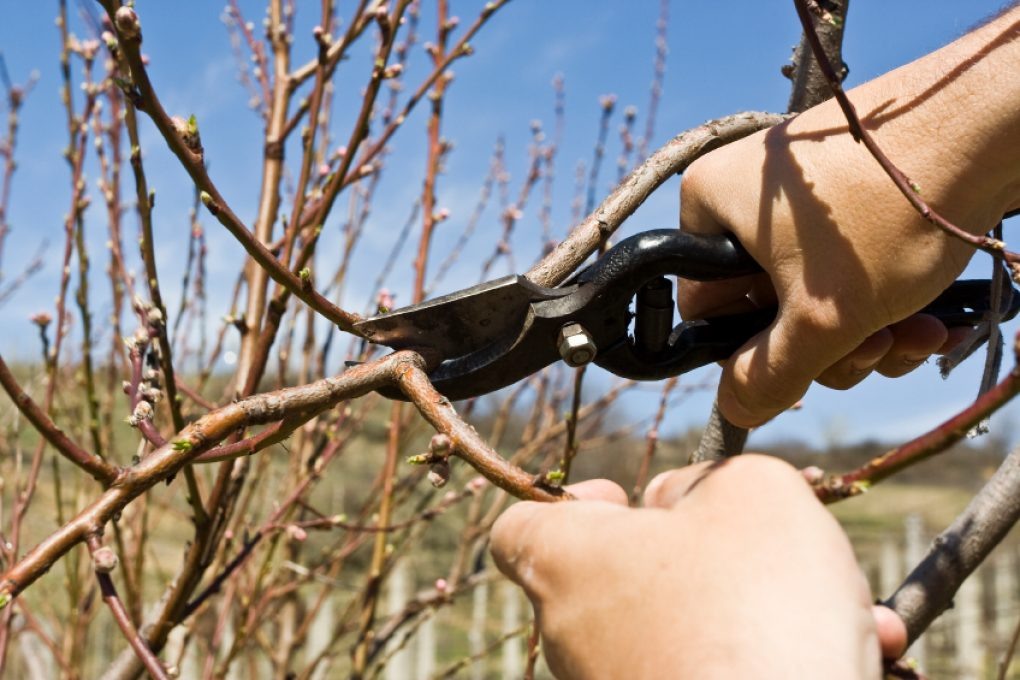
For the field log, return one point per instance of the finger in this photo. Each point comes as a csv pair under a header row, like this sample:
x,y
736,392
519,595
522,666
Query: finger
x,y
725,483
859,364
775,368
509,549
667,488
702,299
914,339
599,490
956,335
892,632
534,544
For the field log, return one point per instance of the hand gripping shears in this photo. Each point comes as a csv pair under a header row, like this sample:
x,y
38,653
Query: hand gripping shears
x,y
497,333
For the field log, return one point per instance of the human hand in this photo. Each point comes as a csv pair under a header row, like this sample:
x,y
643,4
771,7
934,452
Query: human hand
x,y
731,569
846,258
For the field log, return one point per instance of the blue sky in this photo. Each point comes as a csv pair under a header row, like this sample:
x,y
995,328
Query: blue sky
x,y
723,58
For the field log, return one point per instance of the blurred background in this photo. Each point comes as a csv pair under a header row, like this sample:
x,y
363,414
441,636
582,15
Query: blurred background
x,y
580,90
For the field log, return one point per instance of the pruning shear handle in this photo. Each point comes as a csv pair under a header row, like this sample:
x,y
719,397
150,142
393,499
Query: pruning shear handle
x,y
497,333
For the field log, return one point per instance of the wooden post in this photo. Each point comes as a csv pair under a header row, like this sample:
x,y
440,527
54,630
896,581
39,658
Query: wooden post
x,y
914,550
425,648
890,567
398,592
967,615
513,649
320,634
476,635
1005,597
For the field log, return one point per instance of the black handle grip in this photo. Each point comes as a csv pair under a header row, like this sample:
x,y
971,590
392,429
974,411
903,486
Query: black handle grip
x,y
660,252
697,343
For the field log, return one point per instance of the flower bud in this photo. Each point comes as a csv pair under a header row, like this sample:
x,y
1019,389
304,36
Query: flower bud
x,y
127,23
104,560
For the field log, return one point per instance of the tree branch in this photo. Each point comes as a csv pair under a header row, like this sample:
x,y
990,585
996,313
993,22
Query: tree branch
x,y
144,98
928,444
956,552
467,444
191,442
64,445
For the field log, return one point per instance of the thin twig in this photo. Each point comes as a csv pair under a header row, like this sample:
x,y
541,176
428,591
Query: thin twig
x,y
667,161
925,446
120,615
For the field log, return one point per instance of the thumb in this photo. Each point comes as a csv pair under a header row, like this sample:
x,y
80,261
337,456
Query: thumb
x,y
774,369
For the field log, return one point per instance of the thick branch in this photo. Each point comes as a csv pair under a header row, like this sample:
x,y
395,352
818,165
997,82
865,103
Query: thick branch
x,y
65,446
810,86
468,444
720,438
958,550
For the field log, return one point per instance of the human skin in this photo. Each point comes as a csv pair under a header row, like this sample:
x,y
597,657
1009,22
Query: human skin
x,y
846,257
729,570
734,569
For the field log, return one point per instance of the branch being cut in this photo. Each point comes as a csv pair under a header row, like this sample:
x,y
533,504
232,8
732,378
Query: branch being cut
x,y
402,368
468,444
672,158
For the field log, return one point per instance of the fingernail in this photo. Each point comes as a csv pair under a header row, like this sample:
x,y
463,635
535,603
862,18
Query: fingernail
x,y
915,361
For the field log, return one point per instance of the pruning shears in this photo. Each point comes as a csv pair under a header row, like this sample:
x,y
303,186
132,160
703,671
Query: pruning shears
x,y
494,334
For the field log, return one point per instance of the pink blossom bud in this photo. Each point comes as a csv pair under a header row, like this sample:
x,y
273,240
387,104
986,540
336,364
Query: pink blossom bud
x,y
296,533
384,301
127,22
813,474
441,585
439,474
